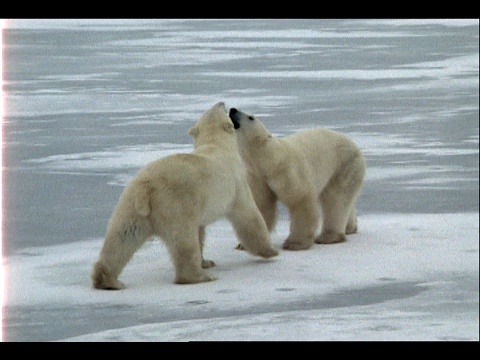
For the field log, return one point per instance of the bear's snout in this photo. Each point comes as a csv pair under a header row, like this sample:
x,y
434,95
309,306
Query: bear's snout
x,y
233,112
235,117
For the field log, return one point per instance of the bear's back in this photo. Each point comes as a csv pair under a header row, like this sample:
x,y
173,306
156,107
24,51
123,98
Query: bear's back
x,y
321,141
324,150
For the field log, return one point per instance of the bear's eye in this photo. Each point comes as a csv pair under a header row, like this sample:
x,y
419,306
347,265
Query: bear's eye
x,y
250,118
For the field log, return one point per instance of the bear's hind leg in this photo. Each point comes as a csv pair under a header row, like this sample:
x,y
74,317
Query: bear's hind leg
x,y
338,202
335,210
121,242
352,226
185,251
201,237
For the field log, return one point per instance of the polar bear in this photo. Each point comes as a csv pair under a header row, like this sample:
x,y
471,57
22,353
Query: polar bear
x,y
311,171
176,197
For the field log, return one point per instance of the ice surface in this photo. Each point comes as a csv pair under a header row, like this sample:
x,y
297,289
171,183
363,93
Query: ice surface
x,y
402,277
88,102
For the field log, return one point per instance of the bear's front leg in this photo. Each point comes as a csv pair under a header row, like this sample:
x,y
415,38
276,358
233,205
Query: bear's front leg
x,y
252,232
265,199
304,218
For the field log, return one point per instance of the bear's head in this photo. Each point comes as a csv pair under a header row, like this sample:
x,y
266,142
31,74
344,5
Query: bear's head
x,y
214,123
250,130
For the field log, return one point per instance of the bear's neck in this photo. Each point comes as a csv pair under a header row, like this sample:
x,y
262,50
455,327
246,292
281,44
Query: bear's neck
x,y
261,156
226,145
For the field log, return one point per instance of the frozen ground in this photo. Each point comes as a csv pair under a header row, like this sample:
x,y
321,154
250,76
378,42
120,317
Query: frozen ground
x,y
90,102
403,277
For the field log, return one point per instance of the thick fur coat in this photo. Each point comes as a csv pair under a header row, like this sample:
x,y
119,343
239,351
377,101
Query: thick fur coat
x,y
316,173
176,197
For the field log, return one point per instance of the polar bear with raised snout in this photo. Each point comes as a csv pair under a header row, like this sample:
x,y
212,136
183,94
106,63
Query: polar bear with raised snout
x,y
311,172
176,197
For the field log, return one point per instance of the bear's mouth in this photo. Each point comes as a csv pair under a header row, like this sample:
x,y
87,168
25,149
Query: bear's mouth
x,y
235,117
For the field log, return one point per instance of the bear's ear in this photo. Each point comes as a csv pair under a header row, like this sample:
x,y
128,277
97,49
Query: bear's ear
x,y
193,131
228,127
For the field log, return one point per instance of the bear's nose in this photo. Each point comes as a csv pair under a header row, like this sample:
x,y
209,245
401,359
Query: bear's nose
x,y
233,111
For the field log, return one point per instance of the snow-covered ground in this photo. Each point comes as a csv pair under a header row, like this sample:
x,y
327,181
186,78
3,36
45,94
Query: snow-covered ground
x,y
89,102
403,277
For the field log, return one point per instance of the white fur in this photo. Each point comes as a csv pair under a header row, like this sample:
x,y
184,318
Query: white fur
x,y
314,172
176,197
